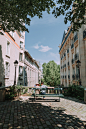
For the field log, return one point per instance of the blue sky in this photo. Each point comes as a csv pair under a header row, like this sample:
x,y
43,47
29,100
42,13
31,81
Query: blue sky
x,y
45,35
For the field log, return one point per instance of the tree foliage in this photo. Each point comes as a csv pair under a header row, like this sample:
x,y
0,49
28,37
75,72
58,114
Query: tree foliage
x,y
51,73
13,13
74,11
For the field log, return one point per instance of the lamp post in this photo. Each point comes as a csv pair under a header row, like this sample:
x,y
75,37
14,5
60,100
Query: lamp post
x,y
15,64
78,64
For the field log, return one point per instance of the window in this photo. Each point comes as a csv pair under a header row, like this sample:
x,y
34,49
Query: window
x,y
21,45
7,69
8,48
20,69
12,34
20,56
76,50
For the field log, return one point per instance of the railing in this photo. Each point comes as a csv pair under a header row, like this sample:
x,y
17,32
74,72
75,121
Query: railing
x,y
84,34
72,46
77,76
21,74
73,76
66,38
76,56
68,50
75,37
72,61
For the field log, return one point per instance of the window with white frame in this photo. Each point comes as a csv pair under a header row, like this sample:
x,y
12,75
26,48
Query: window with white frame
x,y
20,69
7,69
21,45
8,48
20,56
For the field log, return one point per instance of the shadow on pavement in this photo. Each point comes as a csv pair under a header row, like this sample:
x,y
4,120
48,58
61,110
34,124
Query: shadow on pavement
x,y
19,114
44,100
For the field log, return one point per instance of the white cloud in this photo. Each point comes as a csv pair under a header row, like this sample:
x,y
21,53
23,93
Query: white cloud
x,y
36,46
44,48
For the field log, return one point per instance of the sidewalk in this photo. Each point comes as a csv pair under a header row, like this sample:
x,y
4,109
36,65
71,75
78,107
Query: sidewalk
x,y
42,114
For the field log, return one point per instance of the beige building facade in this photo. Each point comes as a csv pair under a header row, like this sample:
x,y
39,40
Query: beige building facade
x,y
73,48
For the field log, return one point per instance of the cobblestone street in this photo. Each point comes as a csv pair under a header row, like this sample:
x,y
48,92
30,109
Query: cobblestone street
x,y
42,114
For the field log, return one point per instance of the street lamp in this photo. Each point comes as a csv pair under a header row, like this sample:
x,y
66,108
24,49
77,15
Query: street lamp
x,y
15,64
78,64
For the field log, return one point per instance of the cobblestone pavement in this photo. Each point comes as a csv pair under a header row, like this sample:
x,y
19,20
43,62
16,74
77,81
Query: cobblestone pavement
x,y
42,114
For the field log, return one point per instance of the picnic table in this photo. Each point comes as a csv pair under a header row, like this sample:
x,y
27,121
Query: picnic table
x,y
56,94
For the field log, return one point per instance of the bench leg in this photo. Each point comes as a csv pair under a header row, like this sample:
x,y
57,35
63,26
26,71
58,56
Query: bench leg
x,y
34,98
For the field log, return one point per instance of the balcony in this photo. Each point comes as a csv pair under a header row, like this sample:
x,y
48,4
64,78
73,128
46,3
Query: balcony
x,y
73,77
76,56
75,37
72,61
84,34
68,63
72,46
67,50
21,74
64,65
77,76
20,78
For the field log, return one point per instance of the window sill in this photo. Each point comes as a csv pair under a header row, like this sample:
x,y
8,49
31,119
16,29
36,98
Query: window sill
x,y
20,60
21,48
6,78
7,56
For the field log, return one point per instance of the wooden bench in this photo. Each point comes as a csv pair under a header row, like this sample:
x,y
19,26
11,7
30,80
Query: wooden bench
x,y
47,95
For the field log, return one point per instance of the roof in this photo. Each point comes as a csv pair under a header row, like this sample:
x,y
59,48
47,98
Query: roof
x,y
26,51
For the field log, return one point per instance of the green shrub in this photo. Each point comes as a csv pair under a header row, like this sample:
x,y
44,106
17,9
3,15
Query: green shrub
x,y
11,95
74,91
26,89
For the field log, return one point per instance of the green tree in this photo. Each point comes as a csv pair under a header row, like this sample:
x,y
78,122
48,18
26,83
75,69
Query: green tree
x,y
44,71
74,11
51,73
13,13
